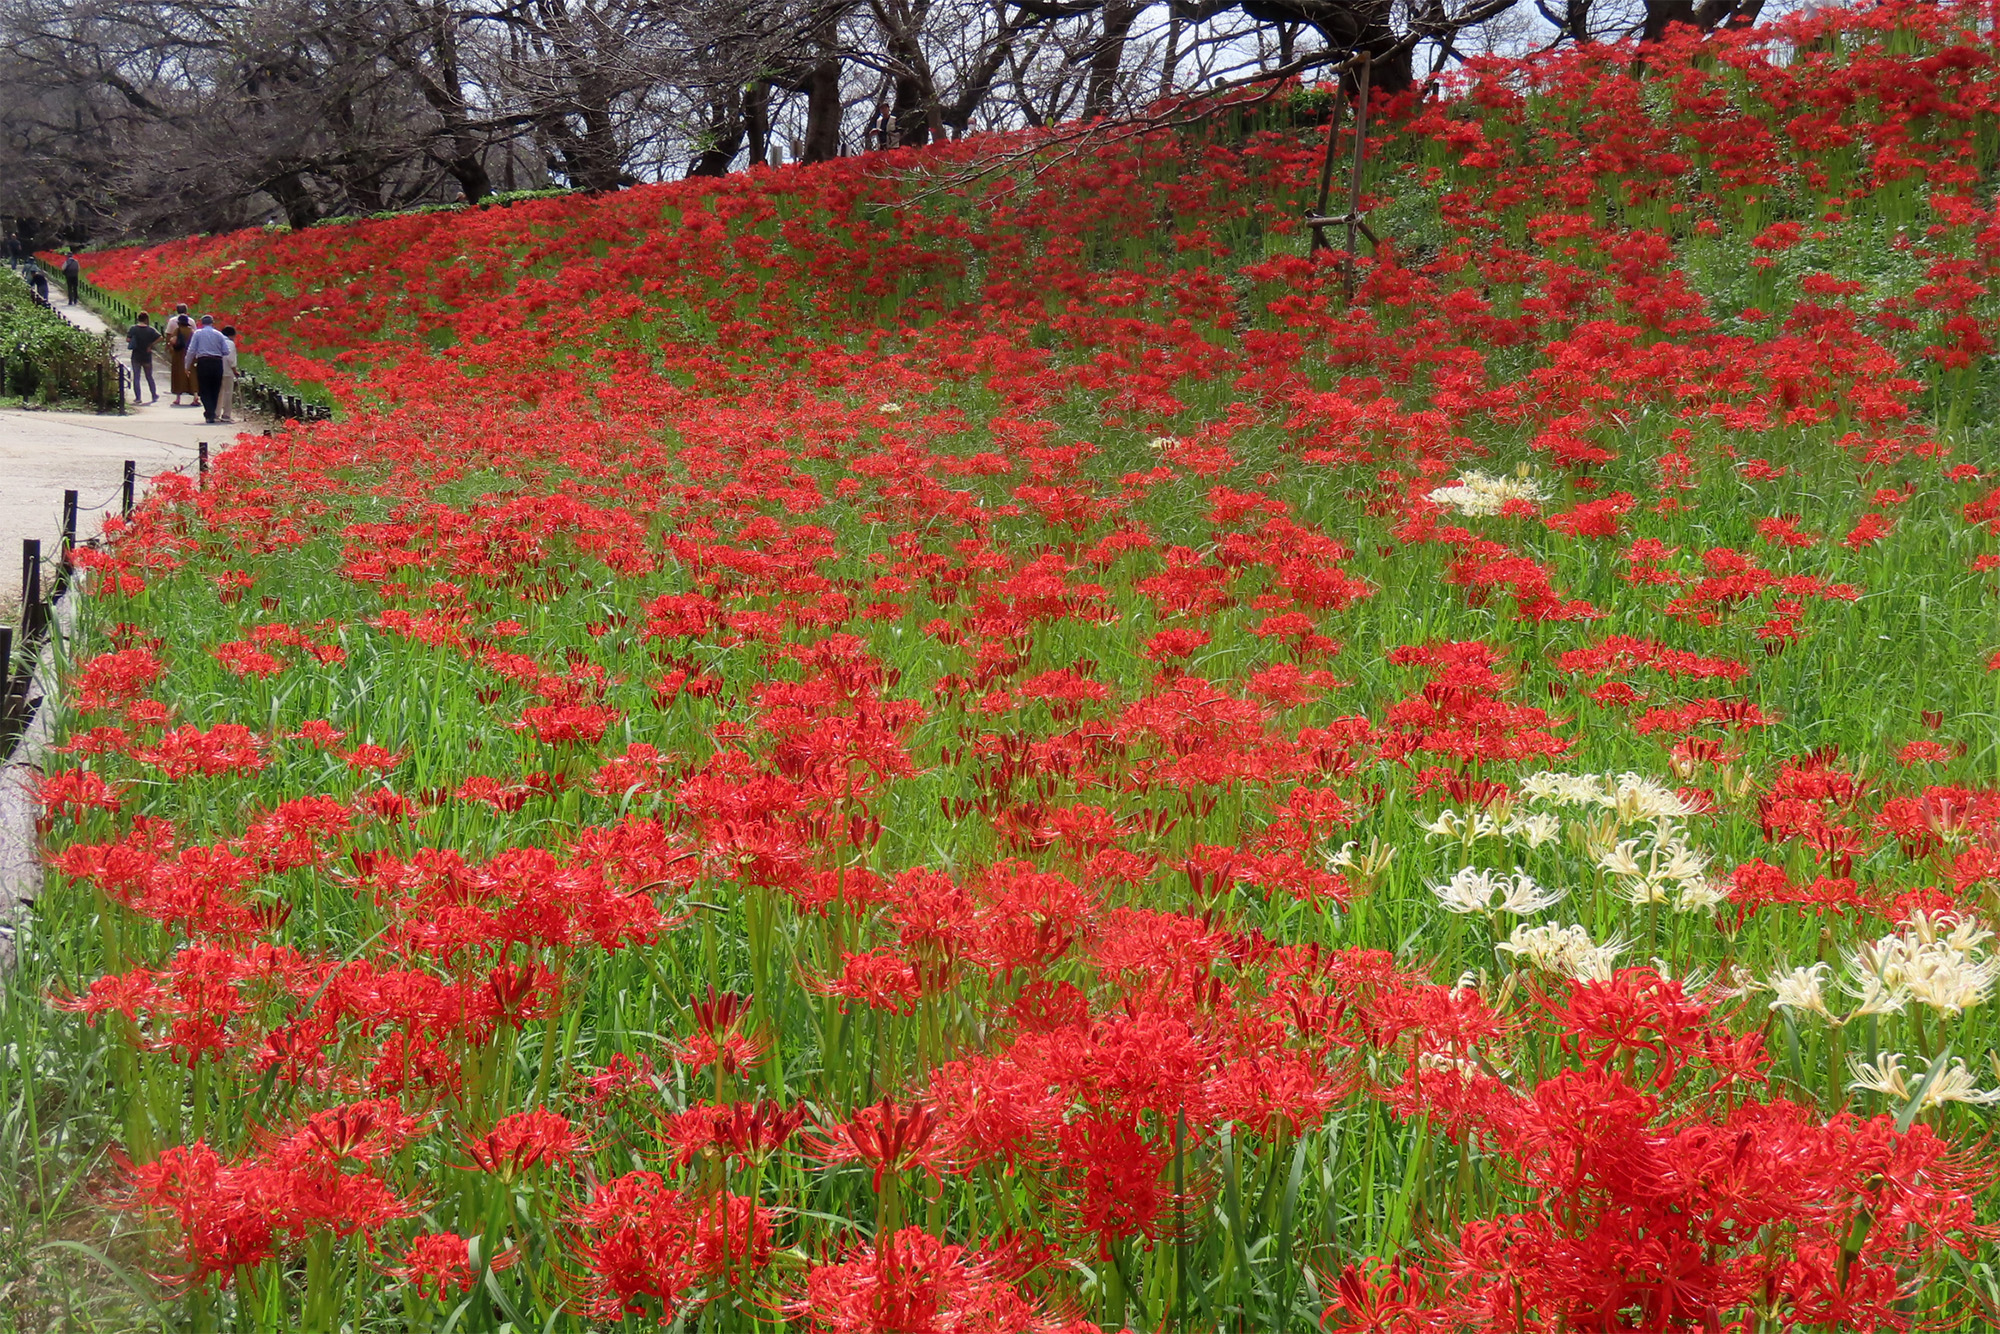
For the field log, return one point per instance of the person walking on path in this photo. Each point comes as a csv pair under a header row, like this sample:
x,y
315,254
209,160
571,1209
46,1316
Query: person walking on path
x,y
180,380
227,401
205,352
72,271
13,251
139,340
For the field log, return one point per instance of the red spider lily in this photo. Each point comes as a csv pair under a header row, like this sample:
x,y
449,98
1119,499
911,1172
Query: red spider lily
x,y
524,1140
1378,1299
438,1264
74,792
914,1283
755,1131
888,1138
246,659
640,1238
225,748
116,679
562,724
234,1213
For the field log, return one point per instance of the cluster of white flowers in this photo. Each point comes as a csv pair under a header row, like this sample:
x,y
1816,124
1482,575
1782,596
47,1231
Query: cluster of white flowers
x,y
1567,951
1658,863
889,409
1938,962
1941,963
1476,890
1630,797
1886,1076
1160,444
1477,494
1661,866
1533,828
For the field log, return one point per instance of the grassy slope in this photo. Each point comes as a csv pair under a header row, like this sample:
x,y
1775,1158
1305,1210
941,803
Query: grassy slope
x,y
1591,267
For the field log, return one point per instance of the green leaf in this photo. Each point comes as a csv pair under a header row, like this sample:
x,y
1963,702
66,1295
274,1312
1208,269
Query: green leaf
x,y
121,1273
1907,1117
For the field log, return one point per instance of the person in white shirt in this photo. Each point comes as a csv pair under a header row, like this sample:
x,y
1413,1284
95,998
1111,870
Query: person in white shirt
x,y
204,357
227,398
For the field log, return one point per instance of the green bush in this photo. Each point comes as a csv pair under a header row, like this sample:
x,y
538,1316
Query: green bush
x,y
45,355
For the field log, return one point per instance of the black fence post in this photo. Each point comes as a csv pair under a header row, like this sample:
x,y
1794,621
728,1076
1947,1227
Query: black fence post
x,y
69,524
203,445
6,678
31,587
131,484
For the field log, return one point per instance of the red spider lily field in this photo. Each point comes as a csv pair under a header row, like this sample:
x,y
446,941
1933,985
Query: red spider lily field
x,y
898,746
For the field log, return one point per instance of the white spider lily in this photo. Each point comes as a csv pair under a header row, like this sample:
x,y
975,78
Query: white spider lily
x,y
1474,890
1566,951
1801,989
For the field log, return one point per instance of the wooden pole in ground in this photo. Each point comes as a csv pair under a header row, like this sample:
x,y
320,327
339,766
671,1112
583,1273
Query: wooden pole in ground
x,y
1354,171
1326,174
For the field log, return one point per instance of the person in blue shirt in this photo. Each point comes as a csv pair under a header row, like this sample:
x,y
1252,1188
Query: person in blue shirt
x,y
206,352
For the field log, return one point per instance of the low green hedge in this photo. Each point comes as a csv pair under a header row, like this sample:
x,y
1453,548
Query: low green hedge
x,y
44,356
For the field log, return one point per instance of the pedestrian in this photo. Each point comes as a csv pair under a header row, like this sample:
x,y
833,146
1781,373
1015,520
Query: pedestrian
x,y
38,283
13,251
139,339
205,352
180,380
72,271
227,401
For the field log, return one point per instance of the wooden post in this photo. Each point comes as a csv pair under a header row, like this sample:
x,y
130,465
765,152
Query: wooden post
x,y
1360,150
1354,222
131,484
1326,174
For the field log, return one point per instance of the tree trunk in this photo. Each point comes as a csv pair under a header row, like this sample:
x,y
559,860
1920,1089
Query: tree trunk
x,y
1663,14
289,189
725,136
1107,56
822,142
757,120
454,146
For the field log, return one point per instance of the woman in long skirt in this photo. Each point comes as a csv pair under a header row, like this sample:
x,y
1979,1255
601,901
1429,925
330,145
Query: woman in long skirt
x,y
181,377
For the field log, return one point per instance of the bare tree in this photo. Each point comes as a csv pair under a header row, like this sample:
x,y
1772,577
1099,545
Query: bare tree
x,y
177,115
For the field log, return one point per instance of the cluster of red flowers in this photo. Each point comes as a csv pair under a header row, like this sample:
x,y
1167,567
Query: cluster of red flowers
x,y
1032,758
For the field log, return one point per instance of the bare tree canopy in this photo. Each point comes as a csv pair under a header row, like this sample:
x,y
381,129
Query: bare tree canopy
x,y
172,116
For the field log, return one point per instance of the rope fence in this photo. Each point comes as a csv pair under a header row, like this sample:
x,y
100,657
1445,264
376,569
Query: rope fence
x,y
21,643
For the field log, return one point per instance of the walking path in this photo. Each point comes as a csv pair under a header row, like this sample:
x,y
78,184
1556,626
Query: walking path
x,y
43,454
